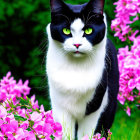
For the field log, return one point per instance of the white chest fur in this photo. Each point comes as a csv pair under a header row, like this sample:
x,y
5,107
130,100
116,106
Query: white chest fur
x,y
72,84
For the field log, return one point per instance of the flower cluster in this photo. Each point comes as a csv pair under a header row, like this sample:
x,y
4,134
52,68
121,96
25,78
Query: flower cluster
x,y
127,12
98,137
20,117
129,67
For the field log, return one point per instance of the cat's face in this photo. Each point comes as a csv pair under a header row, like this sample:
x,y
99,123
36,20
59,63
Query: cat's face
x,y
78,27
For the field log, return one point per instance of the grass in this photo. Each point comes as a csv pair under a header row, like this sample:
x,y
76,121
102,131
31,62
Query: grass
x,y
124,127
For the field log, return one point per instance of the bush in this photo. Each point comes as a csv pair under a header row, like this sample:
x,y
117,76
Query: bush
x,y
128,15
22,26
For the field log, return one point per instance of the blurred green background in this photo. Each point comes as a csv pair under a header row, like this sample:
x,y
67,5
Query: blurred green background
x,y
23,46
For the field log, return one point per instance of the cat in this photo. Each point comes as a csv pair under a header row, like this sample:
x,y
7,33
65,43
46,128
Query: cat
x,y
82,69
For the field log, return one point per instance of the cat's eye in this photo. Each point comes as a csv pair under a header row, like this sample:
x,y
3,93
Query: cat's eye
x,y
88,31
66,31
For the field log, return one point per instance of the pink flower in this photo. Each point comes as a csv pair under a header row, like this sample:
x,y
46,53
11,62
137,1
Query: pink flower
x,y
103,138
129,56
133,35
47,128
2,136
130,98
58,138
24,125
121,99
42,108
25,88
97,136
20,134
123,51
7,128
3,112
35,116
30,135
131,84
1,122
121,24
57,128
131,63
85,137
128,111
2,95
138,83
34,103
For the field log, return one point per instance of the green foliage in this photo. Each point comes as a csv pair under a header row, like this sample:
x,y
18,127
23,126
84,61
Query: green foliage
x,y
22,29
136,25
52,137
19,118
125,127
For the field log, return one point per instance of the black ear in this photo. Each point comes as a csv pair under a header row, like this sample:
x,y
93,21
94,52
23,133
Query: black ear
x,y
97,6
56,5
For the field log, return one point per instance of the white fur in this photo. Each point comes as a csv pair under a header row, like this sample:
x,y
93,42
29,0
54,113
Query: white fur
x,y
73,78
88,124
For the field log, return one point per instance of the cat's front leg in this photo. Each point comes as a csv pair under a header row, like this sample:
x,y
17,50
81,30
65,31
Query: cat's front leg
x,y
67,121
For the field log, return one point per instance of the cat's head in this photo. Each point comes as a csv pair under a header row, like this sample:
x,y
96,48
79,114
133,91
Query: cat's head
x,y
78,27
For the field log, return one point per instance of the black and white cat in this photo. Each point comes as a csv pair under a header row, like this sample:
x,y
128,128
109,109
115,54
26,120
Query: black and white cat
x,y
82,69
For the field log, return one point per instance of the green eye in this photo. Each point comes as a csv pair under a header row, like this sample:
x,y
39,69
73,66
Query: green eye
x,y
66,31
88,31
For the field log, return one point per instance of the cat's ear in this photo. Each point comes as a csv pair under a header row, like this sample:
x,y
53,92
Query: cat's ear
x,y
56,5
97,6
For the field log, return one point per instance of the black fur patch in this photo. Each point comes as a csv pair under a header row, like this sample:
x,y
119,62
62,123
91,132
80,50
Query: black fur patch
x,y
76,130
94,104
110,80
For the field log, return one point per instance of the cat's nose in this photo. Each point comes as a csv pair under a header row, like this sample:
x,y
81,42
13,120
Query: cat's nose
x,y
77,45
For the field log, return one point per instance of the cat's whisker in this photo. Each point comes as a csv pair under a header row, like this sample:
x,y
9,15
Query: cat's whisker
x,y
84,18
91,56
108,58
65,17
43,46
88,17
88,14
63,52
43,62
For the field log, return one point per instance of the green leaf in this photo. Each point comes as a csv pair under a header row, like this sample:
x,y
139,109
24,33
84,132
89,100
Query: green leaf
x,y
10,111
19,118
24,102
31,123
37,138
29,129
52,137
23,107
37,110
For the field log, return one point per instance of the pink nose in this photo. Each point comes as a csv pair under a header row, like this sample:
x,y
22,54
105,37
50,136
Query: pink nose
x,y
77,45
